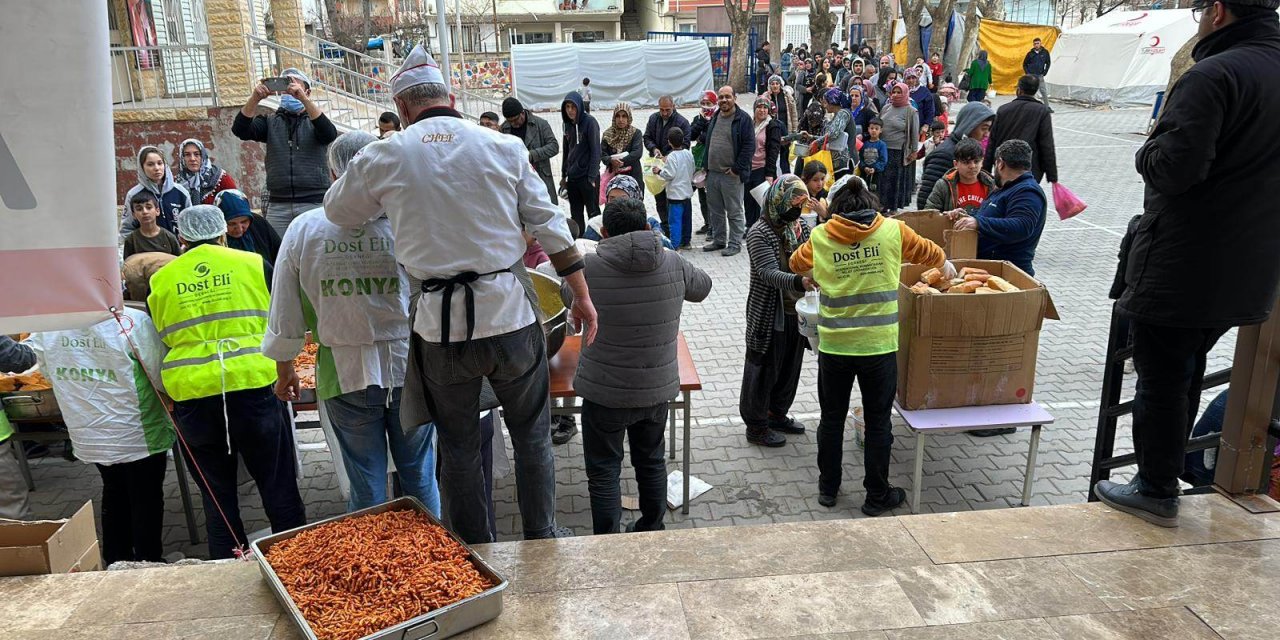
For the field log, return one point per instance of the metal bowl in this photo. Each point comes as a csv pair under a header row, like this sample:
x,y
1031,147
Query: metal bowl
x,y
552,300
30,405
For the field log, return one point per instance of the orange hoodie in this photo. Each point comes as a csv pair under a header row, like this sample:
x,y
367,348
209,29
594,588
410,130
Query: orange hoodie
x,y
915,249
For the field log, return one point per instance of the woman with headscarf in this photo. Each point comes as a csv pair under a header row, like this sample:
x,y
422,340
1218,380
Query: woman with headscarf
x,y
901,135
155,176
622,186
862,109
775,348
621,145
812,122
923,98
246,230
202,178
697,131
764,160
783,104
835,134
979,75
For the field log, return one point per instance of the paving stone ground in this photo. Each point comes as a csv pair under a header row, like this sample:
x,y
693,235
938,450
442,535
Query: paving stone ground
x,y
1075,260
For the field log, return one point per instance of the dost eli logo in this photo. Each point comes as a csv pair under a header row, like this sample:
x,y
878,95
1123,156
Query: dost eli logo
x,y
1153,47
202,270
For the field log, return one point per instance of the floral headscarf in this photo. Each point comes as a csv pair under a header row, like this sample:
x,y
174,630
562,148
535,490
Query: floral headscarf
x,y
202,181
836,97
619,139
627,185
713,98
776,202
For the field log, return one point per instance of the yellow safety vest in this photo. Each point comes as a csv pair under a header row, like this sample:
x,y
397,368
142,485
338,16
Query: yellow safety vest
x,y
859,298
210,307
6,429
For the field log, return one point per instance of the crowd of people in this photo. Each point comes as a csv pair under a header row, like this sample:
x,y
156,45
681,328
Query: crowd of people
x,y
422,327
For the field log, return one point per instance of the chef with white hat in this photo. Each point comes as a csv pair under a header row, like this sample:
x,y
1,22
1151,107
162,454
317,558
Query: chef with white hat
x,y
458,196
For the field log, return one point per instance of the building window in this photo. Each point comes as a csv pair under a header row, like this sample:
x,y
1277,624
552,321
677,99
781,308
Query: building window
x,y
532,38
688,27
588,36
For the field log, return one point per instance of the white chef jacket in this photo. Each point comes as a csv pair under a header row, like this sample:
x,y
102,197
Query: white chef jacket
x,y
112,413
343,285
457,195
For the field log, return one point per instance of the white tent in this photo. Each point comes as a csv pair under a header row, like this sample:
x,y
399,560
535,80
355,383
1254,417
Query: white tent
x,y
1122,58
637,73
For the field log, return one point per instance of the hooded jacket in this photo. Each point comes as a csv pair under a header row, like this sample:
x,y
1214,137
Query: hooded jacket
x,y
639,290
942,159
1010,222
581,157
1205,251
843,228
297,168
173,198
1029,120
944,194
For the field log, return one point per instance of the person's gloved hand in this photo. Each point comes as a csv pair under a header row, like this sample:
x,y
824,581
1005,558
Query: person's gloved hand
x,y
948,270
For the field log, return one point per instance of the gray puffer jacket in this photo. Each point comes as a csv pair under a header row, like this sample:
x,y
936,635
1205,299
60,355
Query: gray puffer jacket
x,y
638,289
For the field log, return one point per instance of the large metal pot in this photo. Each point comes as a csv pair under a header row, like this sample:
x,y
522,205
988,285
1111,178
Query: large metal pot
x,y
553,302
30,405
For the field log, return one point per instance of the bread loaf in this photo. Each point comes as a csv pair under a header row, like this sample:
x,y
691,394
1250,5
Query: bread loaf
x,y
931,277
965,287
985,290
976,277
919,287
968,270
1000,284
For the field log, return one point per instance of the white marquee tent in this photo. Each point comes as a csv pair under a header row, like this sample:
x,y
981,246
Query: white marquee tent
x,y
637,73
1122,58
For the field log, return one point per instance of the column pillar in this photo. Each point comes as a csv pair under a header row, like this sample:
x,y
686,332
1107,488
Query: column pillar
x,y
228,22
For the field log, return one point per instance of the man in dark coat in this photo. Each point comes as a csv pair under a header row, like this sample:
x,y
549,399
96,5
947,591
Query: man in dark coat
x,y
655,140
974,121
1205,251
538,139
1028,120
1036,63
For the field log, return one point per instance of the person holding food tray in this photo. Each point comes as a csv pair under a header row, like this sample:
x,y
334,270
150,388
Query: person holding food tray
x,y
855,259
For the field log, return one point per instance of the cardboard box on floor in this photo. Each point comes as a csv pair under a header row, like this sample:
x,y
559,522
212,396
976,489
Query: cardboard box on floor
x,y
29,548
934,225
961,350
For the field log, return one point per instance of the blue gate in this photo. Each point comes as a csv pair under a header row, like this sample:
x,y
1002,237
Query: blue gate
x,y
720,45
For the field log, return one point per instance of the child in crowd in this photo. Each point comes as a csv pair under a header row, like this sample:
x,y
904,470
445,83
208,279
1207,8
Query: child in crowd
x,y
948,90
388,125
815,180
155,176
678,172
490,120
962,189
116,422
149,236
585,92
873,156
937,133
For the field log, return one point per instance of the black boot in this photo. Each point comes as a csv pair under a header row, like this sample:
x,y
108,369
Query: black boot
x,y
786,424
892,501
765,437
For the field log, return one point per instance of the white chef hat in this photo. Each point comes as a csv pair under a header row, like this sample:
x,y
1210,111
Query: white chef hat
x,y
418,68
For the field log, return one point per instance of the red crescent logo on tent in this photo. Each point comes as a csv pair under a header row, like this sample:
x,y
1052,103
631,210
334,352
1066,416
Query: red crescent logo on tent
x,y
1155,41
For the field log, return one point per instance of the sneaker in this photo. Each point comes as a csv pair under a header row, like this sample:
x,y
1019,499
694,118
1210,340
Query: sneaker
x,y
562,532
631,527
564,429
706,228
712,246
895,499
765,437
1129,499
787,425
826,501
731,251
987,433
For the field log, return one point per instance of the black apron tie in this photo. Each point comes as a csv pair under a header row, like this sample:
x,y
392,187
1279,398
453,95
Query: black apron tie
x,y
446,287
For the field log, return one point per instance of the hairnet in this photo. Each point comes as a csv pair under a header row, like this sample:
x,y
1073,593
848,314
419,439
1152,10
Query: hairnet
x,y
201,222
345,148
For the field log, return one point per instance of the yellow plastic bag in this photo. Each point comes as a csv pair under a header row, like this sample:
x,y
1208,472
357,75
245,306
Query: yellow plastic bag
x,y
652,181
824,156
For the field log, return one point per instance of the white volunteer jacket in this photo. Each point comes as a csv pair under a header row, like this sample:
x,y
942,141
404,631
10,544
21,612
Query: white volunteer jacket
x,y
360,297
457,195
110,409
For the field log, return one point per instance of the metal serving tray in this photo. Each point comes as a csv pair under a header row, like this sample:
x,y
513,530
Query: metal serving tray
x,y
441,623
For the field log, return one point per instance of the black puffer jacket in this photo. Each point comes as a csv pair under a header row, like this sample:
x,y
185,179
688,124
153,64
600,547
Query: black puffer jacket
x,y
938,163
1206,253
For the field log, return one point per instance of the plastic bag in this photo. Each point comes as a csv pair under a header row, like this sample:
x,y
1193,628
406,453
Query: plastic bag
x,y
824,156
1066,202
653,182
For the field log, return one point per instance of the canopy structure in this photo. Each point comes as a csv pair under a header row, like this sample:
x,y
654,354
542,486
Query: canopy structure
x,y
1122,58
1007,44
637,73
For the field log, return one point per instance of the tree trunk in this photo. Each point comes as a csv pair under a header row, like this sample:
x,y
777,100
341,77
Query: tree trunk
x,y
739,25
911,12
848,26
775,33
821,25
941,18
993,9
884,28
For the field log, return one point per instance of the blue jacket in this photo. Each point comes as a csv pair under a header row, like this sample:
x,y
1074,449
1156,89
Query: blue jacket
x,y
581,143
744,141
1010,222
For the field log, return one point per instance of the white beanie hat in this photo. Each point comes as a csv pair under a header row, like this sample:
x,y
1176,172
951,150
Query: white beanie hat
x,y
201,222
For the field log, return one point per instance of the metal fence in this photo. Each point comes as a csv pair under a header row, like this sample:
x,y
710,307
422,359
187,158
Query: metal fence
x,y
166,76
720,45
348,97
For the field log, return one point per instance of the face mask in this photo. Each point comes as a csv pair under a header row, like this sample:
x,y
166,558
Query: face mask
x,y
791,215
291,104
708,111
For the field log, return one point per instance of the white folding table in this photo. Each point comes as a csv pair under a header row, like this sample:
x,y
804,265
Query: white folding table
x,y
925,422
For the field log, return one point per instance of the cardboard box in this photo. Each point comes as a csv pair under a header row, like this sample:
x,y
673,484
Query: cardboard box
x,y
961,350
934,225
50,546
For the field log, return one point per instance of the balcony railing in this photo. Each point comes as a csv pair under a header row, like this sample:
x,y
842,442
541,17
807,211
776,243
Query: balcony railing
x,y
169,76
